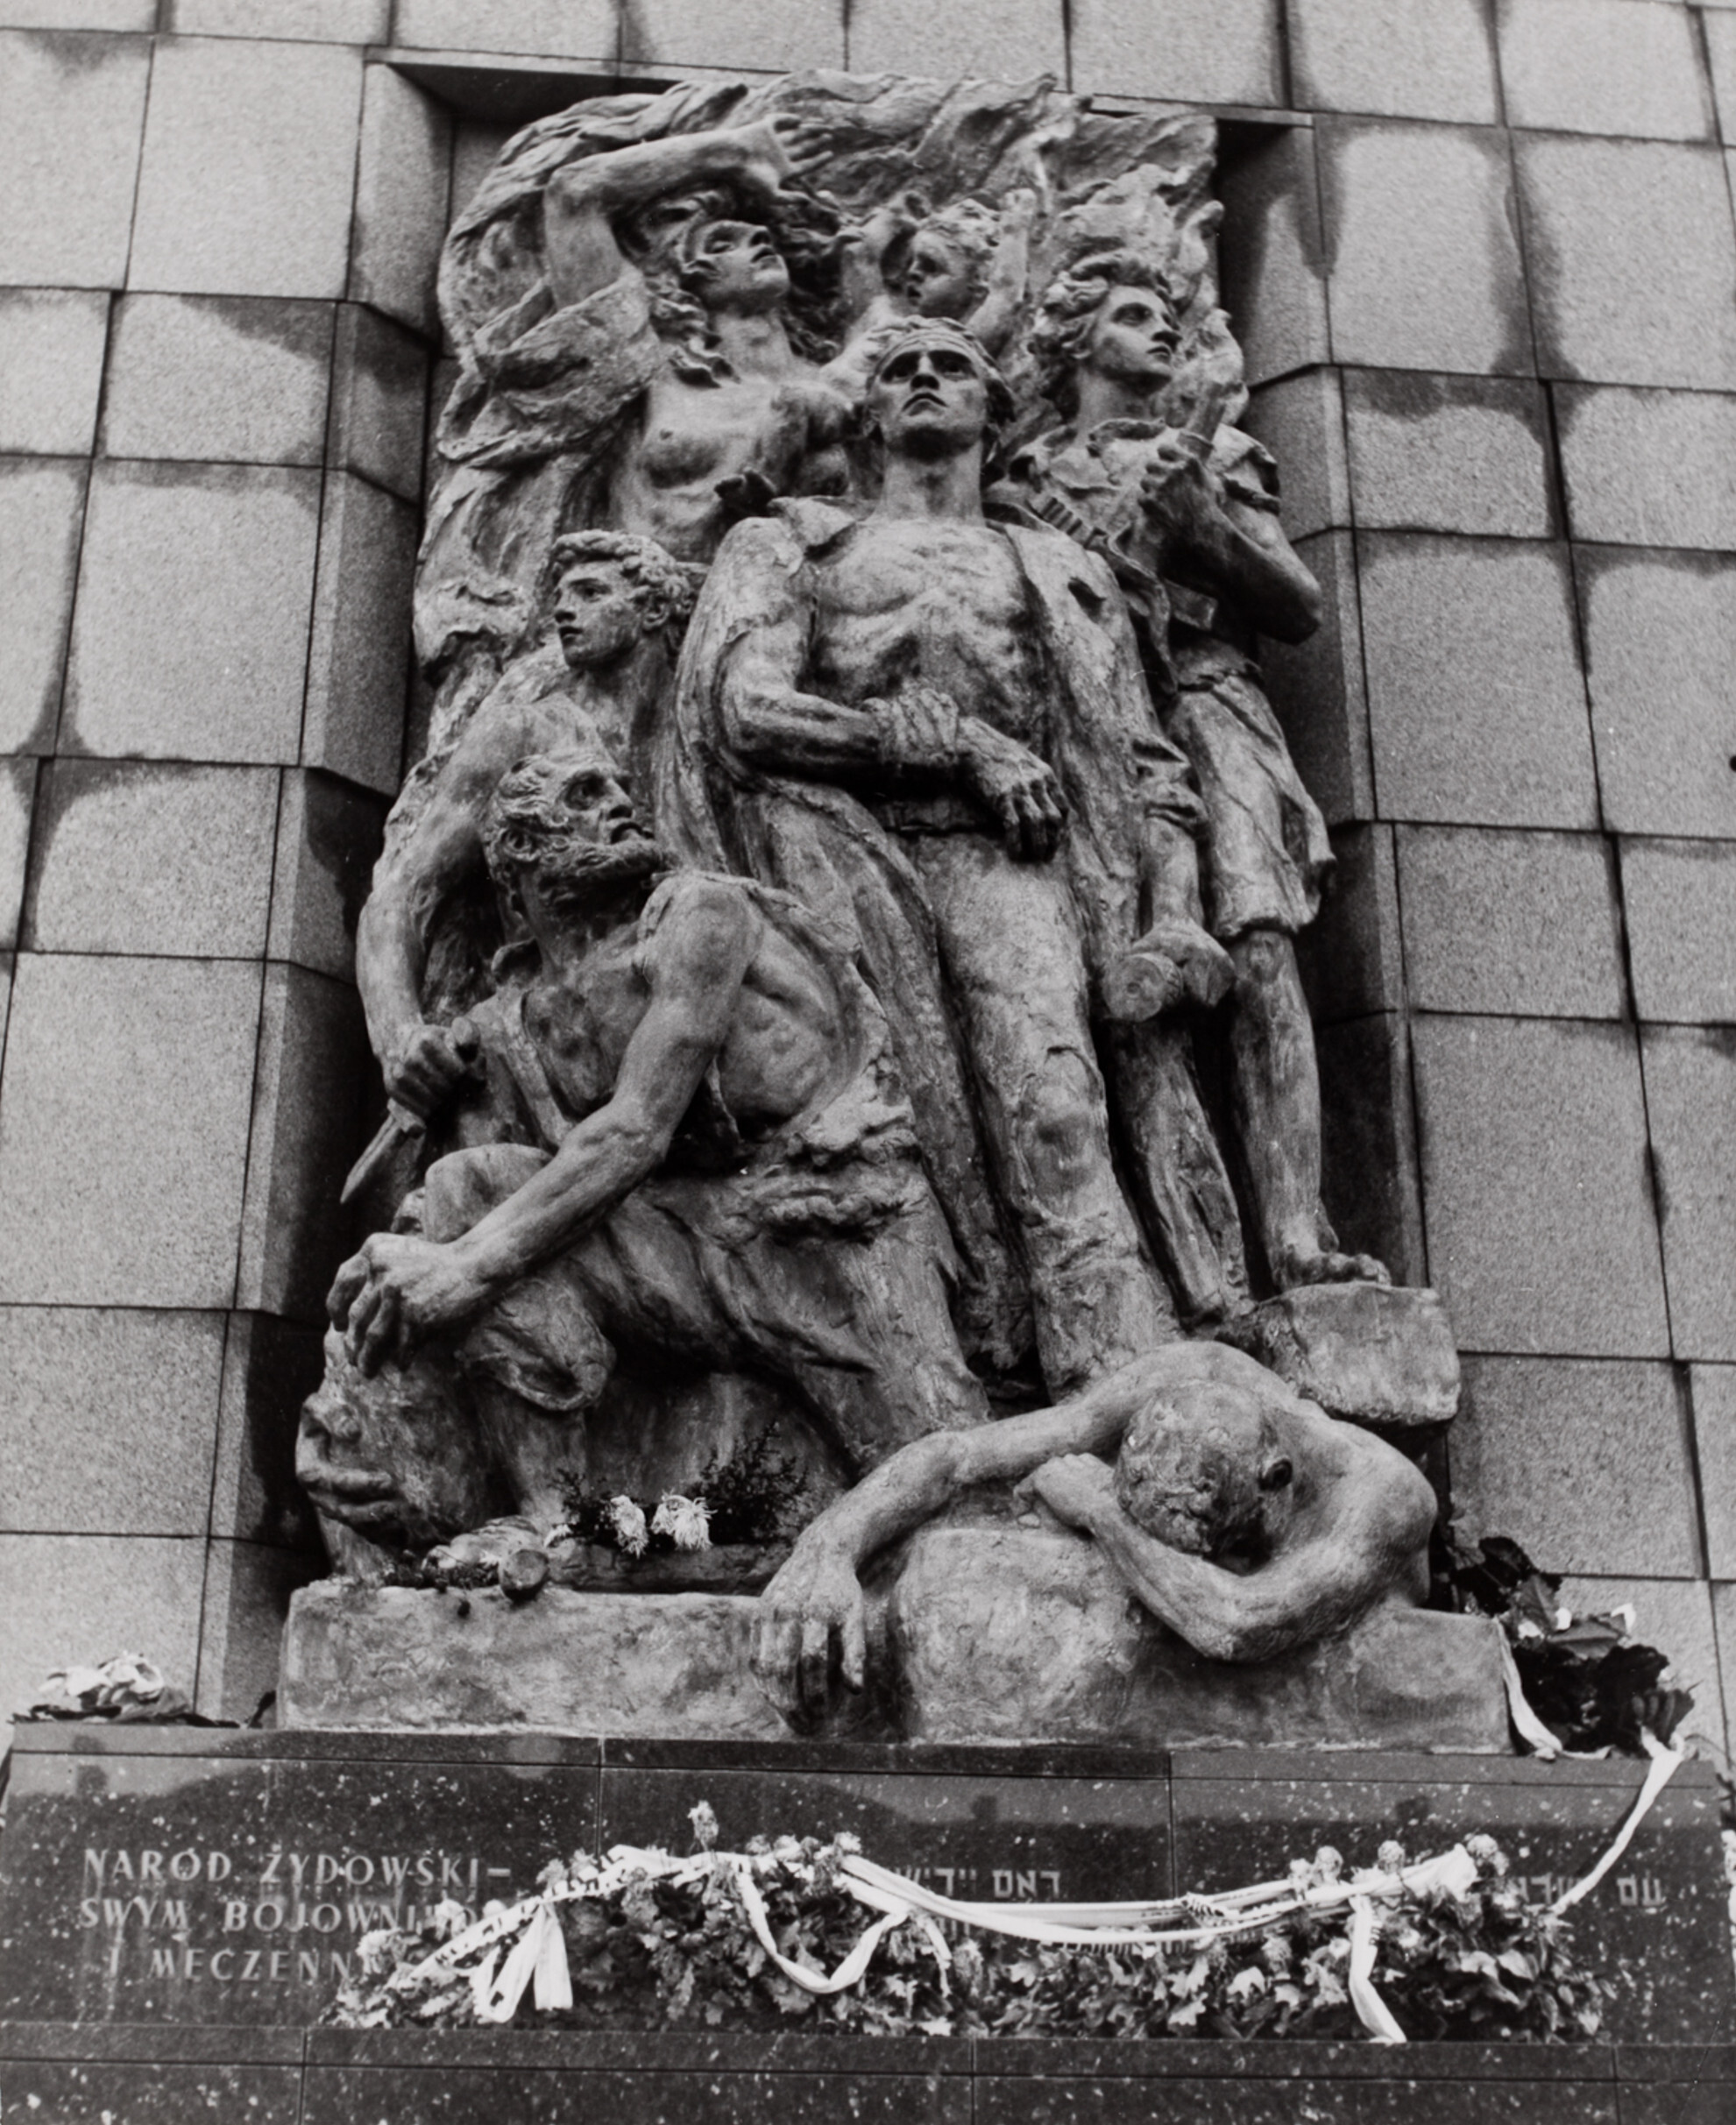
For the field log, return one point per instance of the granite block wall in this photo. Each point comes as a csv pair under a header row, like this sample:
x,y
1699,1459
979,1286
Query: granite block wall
x,y
1481,256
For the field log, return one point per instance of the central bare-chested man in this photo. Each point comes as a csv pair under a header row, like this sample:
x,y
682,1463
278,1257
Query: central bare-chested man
x,y
933,730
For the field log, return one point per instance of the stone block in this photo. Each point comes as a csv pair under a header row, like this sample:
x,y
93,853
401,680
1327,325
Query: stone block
x,y
403,176
249,169
1301,419
548,29
1204,51
125,1139
1603,66
1405,58
194,588
1649,468
69,155
1368,1141
1423,261
1719,28
327,837
1522,925
1373,1354
1679,898
1690,1099
1713,1389
358,661
1019,1634
391,1822
50,368
1591,208
379,401
1273,275
310,1122
269,1369
81,14
579,1664
109,1419
1675,1615
85,1597
1542,1235
1350,956
1476,709
726,32
18,801
1583,1462
1661,643
338,22
1317,689
1448,453
248,1587
1006,42
137,856
41,516
240,378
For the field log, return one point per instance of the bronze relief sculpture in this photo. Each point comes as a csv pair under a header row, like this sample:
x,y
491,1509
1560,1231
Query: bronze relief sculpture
x,y
850,788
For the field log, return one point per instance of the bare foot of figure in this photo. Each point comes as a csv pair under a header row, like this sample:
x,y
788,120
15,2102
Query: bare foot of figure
x,y
1326,1265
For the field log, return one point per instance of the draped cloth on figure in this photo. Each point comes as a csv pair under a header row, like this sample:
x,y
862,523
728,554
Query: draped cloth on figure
x,y
1119,775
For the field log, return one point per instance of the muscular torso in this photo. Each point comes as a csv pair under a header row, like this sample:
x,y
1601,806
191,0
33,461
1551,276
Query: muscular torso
x,y
918,602
782,1041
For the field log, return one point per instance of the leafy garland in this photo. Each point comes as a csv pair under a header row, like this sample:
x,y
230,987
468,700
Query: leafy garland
x,y
645,1948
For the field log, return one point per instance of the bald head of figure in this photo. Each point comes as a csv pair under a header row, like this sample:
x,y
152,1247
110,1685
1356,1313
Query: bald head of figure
x,y
1207,1466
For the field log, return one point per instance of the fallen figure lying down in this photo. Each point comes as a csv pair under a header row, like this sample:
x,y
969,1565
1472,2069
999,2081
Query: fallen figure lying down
x,y
1243,1517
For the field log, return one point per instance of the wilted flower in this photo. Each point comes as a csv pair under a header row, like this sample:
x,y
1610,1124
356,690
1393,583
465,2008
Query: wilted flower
x,y
705,1822
684,1521
1390,1857
1275,1953
1329,1863
448,1918
626,1524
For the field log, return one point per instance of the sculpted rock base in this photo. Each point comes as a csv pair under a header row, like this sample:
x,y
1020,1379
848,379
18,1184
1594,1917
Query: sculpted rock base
x,y
991,1634
574,1663
1378,1355
1016,1634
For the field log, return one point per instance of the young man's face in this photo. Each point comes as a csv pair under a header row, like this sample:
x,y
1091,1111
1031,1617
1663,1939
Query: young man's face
x,y
929,400
1133,338
597,615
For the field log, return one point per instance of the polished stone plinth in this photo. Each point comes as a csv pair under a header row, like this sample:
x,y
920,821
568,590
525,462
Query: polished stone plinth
x,y
997,1632
177,1878
136,2076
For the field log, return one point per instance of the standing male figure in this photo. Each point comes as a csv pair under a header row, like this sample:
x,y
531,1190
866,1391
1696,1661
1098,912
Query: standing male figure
x,y
430,921
1205,520
934,732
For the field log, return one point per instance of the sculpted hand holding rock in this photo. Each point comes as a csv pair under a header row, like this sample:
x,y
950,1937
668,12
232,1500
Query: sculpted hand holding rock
x,y
1242,1518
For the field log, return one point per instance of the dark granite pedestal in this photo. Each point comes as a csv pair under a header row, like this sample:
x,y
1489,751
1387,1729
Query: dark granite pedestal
x,y
177,1906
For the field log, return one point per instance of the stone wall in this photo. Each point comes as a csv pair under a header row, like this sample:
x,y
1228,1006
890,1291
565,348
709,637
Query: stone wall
x,y
1484,262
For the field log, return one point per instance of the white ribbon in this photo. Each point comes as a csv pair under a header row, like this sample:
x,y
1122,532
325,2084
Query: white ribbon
x,y
1526,1723
538,1957
1372,2010
1666,1762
